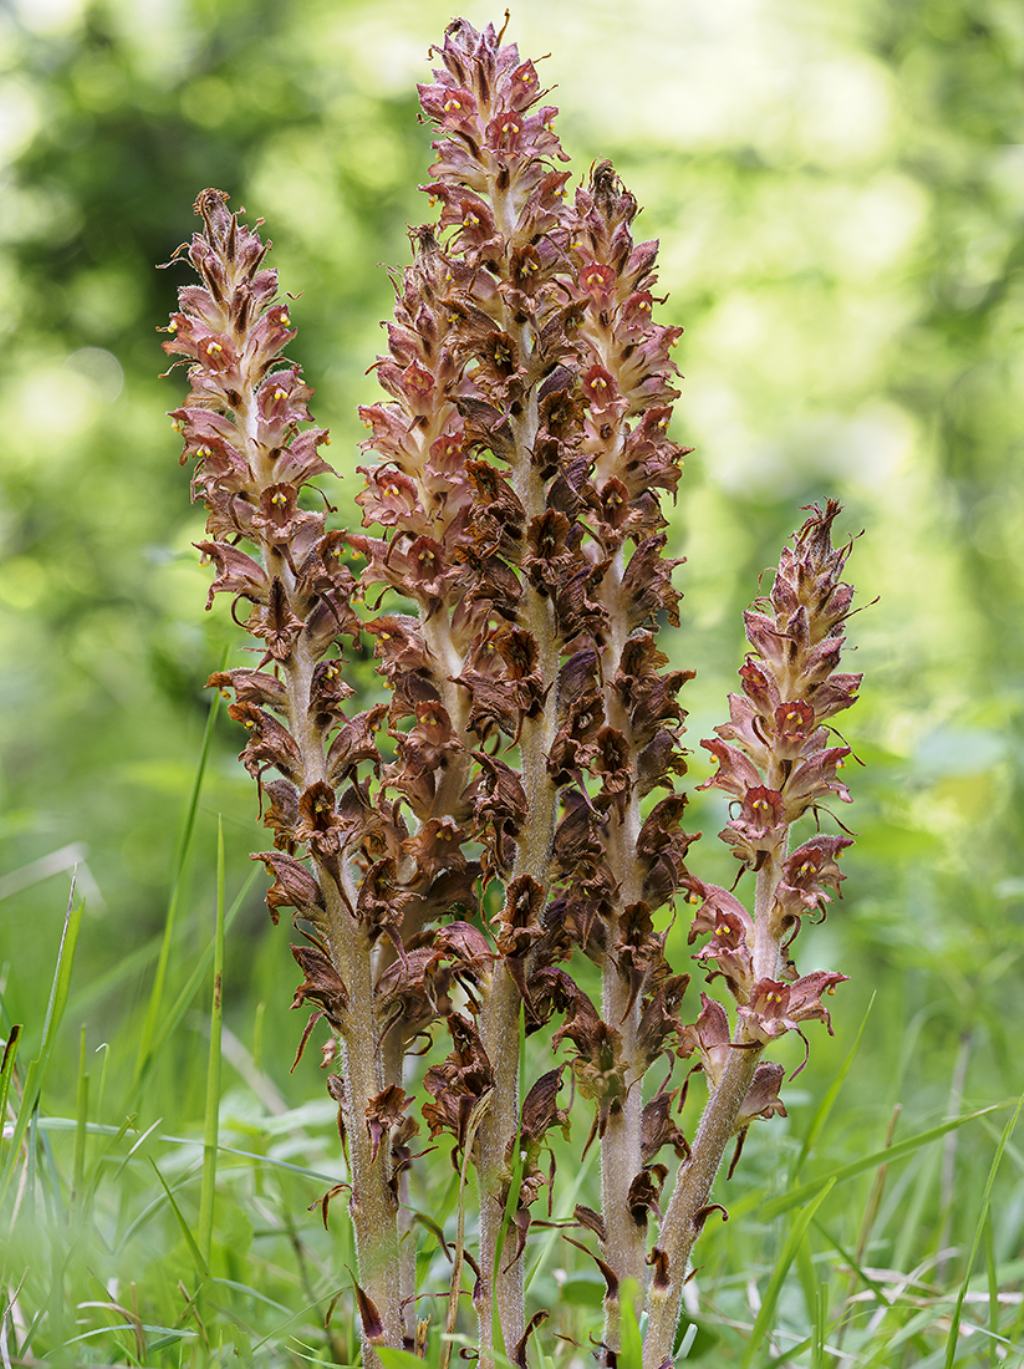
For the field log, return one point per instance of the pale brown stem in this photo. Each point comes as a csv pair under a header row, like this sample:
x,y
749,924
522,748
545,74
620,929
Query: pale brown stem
x,y
499,1019
680,1228
625,1246
499,1031
682,1223
394,1073
373,1207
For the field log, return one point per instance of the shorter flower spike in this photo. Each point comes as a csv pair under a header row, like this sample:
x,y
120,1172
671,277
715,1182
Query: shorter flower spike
x,y
775,762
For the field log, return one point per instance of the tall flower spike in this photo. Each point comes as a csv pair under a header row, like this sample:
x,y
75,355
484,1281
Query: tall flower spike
x,y
627,382
776,763
502,213
244,424
546,363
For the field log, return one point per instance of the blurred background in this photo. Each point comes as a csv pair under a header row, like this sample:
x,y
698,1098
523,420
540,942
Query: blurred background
x,y
839,194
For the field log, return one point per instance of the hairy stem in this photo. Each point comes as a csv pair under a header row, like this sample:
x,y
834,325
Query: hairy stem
x,y
373,1207
499,1032
504,1287
625,1248
682,1224
500,1014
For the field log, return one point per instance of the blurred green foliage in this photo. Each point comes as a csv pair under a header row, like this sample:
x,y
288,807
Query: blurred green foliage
x,y
839,192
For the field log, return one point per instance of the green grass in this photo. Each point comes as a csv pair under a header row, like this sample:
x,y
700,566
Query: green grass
x,y
163,1217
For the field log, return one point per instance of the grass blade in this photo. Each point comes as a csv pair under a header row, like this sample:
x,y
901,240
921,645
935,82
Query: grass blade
x,y
7,1067
497,1334
979,1229
802,1193
202,1269
790,1246
173,1016
211,1128
81,1127
36,1072
827,1103
153,1008
992,1277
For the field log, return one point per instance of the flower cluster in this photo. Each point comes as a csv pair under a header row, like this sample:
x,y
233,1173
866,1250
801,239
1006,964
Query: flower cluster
x,y
776,761
456,856
245,427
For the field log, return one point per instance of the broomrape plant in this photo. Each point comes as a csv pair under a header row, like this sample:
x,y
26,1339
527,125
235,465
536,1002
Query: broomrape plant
x,y
453,857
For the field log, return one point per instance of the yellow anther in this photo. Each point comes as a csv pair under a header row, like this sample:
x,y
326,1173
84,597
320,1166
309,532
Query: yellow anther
x,y
248,724
203,452
391,491
470,221
510,126
451,104
214,347
662,423
599,383
279,498
172,327
225,693
807,869
526,77
280,394
644,306
385,636
284,319
331,672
